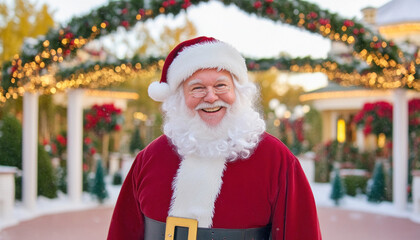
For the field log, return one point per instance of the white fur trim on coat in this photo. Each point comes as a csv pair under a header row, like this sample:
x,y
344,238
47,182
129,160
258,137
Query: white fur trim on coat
x,y
196,187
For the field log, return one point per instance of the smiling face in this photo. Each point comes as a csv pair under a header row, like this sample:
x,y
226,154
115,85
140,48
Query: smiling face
x,y
209,92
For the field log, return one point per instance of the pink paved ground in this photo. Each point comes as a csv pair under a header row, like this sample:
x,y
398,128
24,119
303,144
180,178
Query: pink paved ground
x,y
336,224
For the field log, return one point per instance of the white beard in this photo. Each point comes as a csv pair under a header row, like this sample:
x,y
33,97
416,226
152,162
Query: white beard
x,y
234,137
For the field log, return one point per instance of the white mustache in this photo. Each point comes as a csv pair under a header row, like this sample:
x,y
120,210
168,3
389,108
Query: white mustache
x,y
218,103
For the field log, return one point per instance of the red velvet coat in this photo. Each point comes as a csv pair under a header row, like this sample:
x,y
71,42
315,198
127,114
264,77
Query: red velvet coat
x,y
269,187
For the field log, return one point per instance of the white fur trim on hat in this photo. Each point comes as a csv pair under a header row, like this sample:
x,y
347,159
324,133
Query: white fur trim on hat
x,y
206,55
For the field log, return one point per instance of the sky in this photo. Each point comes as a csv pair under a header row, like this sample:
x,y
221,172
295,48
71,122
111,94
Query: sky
x,y
253,37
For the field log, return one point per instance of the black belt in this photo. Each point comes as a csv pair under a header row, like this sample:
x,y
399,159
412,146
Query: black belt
x,y
155,230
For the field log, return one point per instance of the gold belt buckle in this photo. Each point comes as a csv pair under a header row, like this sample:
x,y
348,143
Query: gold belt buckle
x,y
172,222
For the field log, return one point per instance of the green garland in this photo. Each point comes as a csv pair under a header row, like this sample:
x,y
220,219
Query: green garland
x,y
106,19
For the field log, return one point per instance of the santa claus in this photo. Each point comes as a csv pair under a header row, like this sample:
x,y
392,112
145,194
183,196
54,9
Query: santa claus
x,y
215,173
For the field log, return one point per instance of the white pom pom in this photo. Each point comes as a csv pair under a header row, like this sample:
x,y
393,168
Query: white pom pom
x,y
158,91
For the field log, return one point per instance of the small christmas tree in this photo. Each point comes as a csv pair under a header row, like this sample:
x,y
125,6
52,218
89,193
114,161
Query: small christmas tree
x,y
99,186
376,192
136,143
337,187
117,179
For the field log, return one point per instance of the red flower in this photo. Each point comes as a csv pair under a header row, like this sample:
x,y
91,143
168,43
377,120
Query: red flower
x,y
377,45
356,31
125,24
368,107
69,35
67,52
117,127
257,4
186,4
348,23
62,140
358,117
88,141
381,113
414,105
374,116
311,26
85,167
369,119
269,10
102,118
13,69
367,130
324,21
92,150
124,11
312,15
53,148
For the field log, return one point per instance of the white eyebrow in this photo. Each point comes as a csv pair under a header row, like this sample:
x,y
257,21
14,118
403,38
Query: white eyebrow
x,y
197,81
194,81
222,78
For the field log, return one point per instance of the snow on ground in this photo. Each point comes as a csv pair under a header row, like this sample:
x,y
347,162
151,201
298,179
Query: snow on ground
x,y
321,192
62,203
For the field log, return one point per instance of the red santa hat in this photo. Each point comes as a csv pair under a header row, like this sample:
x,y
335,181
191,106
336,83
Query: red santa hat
x,y
192,55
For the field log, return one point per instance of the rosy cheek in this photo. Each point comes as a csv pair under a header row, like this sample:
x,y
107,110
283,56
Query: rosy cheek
x,y
191,102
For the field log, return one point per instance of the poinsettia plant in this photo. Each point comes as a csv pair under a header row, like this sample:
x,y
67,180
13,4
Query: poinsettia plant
x,y
292,134
88,146
414,116
375,118
102,119
57,146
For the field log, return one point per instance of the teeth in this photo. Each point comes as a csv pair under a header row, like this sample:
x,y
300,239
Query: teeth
x,y
215,109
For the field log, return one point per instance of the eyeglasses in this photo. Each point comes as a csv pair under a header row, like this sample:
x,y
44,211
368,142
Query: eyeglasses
x,y
201,91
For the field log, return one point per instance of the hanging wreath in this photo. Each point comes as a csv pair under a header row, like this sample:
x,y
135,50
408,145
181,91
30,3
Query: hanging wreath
x,y
375,118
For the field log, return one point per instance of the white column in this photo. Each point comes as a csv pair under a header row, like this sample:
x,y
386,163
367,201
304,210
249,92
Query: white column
x,y
400,149
74,144
360,140
30,150
334,117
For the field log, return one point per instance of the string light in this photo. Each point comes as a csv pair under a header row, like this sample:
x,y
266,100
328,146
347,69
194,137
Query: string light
x,y
112,94
395,71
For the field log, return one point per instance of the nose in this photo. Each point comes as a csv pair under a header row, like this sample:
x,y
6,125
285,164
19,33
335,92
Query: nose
x,y
210,97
